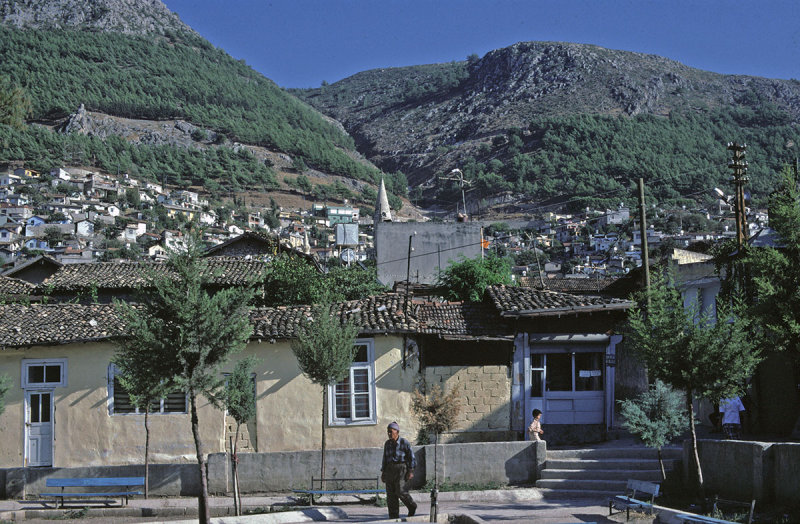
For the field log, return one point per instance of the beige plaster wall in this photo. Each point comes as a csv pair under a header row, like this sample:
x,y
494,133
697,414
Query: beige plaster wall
x,y
289,413
84,433
289,409
485,397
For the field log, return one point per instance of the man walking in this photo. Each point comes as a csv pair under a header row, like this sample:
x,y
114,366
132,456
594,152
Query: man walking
x,y
397,469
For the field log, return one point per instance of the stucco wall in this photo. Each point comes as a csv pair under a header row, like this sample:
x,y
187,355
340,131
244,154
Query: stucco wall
x,y
786,460
289,409
485,408
84,433
740,470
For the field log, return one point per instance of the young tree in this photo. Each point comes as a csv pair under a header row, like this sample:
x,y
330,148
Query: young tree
x,y
469,278
5,385
656,416
192,332
688,349
141,372
240,401
324,350
436,412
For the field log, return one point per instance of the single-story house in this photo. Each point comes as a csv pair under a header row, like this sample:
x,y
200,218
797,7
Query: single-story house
x,y
516,350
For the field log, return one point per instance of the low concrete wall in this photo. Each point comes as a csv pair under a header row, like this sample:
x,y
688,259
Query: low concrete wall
x,y
786,473
165,479
501,462
735,469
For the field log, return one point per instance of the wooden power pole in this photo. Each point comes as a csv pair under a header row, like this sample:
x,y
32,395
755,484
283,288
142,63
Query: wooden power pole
x,y
739,167
643,233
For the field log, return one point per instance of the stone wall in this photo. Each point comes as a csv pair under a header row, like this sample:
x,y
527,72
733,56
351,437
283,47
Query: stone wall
x,y
485,408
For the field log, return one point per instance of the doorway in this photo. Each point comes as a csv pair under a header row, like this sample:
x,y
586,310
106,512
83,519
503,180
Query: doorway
x,y
39,428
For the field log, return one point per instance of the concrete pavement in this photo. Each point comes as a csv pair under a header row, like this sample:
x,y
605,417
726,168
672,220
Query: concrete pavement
x,y
511,505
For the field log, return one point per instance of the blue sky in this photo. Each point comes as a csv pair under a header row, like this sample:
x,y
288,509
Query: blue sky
x,y
300,43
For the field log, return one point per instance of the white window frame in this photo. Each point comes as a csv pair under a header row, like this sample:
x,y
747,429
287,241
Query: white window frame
x,y
112,372
30,362
369,365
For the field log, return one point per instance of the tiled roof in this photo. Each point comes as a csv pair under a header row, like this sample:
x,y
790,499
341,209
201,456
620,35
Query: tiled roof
x,y
375,315
225,271
461,319
521,301
569,285
56,324
68,323
15,286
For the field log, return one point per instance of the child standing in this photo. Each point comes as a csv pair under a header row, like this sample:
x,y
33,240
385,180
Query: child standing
x,y
535,429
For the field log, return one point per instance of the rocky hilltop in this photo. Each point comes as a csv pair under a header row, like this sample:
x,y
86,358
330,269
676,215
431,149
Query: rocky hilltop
x,y
435,128
118,16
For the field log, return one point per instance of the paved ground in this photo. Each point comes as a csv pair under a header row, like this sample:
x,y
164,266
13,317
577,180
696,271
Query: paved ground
x,y
520,505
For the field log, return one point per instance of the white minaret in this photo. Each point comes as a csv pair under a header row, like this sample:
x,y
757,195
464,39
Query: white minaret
x,y
382,211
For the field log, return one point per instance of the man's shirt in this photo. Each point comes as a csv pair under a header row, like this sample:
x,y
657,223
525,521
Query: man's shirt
x,y
398,451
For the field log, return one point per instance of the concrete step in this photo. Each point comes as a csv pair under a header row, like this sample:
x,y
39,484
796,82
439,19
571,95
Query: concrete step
x,y
567,494
618,464
652,475
623,453
616,486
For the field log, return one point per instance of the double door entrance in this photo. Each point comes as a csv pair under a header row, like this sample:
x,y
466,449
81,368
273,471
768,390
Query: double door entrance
x,y
570,381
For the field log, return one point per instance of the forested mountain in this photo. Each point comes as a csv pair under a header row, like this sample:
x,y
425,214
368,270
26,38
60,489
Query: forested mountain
x,y
557,120
135,59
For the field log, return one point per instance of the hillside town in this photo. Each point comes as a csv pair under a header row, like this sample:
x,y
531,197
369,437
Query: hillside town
x,y
74,215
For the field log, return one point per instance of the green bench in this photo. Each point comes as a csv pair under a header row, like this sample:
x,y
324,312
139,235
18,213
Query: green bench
x,y
630,501
94,482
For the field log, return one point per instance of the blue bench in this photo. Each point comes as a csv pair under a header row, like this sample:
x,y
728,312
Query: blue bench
x,y
341,489
94,482
629,500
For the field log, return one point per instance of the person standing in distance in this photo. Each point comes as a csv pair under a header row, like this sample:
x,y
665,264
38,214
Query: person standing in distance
x,y
396,470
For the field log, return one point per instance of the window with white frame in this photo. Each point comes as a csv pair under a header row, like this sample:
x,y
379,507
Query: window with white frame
x,y
119,401
352,401
44,373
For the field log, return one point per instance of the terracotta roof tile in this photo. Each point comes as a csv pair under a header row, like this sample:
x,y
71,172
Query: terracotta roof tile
x,y
521,301
463,319
15,286
68,323
569,285
226,271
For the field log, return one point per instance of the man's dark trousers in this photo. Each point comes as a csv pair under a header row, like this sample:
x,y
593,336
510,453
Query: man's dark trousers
x,y
395,475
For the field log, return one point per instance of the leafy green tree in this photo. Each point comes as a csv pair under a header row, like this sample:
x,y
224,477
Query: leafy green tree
x,y
240,401
53,236
291,280
657,416
469,278
690,350
15,104
303,183
324,350
193,332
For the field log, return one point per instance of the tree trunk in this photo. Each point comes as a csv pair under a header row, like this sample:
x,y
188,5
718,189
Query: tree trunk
x,y
233,471
236,495
202,503
661,463
322,466
146,450
695,453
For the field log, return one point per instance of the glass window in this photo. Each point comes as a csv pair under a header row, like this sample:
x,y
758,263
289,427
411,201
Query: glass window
x,y
589,371
353,399
559,372
41,373
537,375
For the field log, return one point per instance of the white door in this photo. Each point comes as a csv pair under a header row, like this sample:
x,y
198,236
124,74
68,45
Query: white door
x,y
39,428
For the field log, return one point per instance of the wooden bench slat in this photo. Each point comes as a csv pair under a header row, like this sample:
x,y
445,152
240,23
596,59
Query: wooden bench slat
x,y
103,494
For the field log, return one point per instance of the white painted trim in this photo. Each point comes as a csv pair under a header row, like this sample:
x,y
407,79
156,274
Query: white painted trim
x,y
370,367
28,362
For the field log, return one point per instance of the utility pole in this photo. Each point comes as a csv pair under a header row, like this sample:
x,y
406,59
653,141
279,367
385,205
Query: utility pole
x,y
643,233
458,176
739,167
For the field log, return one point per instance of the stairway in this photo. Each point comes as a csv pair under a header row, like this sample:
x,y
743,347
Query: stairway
x,y
601,472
